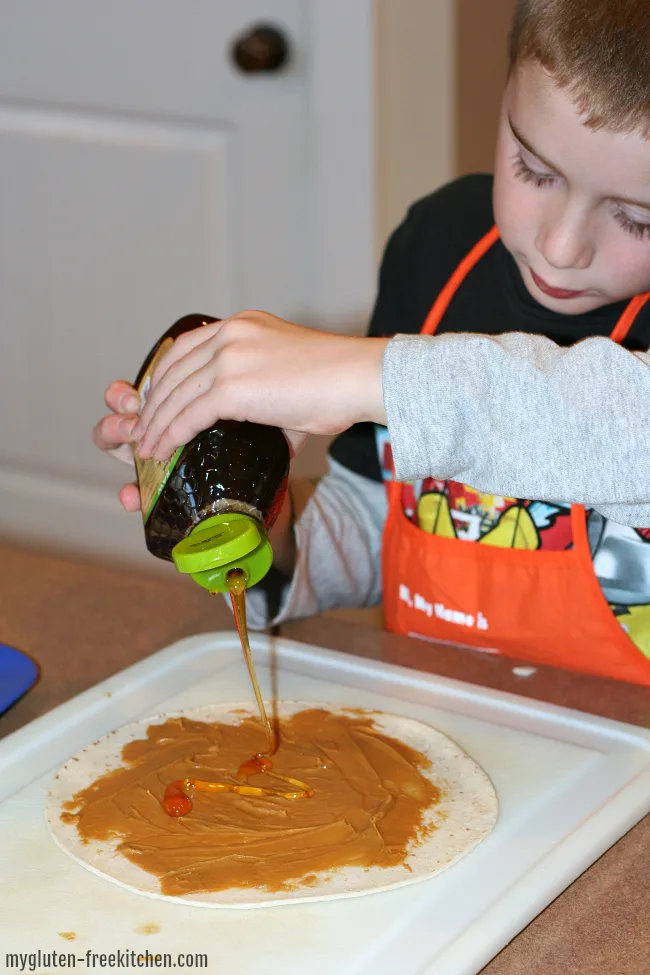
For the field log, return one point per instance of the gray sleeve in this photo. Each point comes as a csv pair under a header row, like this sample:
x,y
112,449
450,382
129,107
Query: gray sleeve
x,y
517,415
338,548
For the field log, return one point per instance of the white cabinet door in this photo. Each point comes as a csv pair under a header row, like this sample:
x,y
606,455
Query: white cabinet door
x,y
143,176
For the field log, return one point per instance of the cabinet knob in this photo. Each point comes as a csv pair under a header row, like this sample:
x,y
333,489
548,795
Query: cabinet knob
x,y
260,49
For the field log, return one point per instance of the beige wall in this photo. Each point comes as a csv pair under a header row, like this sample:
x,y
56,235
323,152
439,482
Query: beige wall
x,y
415,103
440,70
480,71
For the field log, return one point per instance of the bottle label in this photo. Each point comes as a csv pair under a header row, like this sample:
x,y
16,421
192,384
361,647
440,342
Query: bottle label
x,y
153,474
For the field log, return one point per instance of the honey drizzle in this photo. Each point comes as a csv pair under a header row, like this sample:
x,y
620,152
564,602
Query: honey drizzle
x,y
177,799
237,585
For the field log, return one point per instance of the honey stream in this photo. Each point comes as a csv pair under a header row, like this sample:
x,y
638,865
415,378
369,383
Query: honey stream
x,y
177,799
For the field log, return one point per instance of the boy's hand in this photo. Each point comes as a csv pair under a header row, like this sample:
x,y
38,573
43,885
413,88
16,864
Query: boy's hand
x,y
257,367
114,433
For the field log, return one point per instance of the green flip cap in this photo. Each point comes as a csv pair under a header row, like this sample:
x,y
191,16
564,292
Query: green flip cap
x,y
219,544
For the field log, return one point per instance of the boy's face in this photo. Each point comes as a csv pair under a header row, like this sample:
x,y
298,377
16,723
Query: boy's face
x,y
572,204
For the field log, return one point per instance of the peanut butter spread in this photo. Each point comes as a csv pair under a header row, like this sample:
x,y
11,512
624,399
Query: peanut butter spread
x,y
367,806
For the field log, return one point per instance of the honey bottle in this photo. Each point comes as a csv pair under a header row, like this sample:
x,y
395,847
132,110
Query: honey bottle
x,y
209,507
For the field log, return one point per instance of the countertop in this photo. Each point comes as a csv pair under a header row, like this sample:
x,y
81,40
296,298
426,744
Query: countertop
x,y
82,622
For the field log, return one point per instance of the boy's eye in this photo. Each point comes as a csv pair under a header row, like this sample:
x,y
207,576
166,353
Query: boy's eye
x,y
634,227
527,175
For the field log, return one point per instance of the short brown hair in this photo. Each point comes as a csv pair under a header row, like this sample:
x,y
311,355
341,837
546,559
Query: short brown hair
x,y
599,50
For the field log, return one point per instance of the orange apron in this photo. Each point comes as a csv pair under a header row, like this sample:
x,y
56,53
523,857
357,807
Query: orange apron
x,y
543,606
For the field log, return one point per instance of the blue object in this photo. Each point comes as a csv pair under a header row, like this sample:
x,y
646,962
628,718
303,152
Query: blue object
x,y
17,674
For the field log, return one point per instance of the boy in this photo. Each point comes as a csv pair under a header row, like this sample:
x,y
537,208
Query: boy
x,y
554,250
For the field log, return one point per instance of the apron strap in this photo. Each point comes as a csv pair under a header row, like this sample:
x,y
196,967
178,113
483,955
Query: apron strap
x,y
441,303
625,322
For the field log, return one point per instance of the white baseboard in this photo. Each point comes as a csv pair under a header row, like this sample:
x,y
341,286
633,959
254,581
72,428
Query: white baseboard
x,y
88,521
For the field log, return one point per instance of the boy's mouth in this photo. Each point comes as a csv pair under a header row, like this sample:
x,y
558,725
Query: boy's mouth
x,y
561,293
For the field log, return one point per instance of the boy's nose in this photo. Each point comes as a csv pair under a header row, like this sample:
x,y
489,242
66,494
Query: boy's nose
x,y
563,240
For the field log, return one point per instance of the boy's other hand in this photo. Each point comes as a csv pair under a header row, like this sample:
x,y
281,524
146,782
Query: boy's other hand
x,y
257,367
114,433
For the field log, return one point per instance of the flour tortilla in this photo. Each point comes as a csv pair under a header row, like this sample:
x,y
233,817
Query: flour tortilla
x,y
465,815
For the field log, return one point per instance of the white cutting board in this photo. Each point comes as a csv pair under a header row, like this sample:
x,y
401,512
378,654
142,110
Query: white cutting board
x,y
569,785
